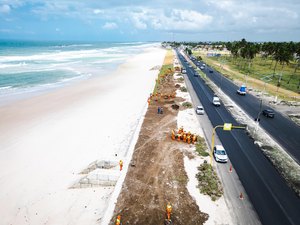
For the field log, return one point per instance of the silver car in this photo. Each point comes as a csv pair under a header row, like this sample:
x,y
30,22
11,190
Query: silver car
x,y
200,110
220,154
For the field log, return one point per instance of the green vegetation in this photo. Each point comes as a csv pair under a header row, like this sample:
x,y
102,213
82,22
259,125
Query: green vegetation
x,y
201,147
183,89
187,105
209,182
287,78
280,61
165,69
182,179
180,79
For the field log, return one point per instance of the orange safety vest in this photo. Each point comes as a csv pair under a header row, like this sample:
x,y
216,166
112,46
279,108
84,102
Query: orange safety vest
x,y
169,208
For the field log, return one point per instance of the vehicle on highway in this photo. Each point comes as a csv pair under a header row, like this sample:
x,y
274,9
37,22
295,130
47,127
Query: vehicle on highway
x,y
268,113
220,154
211,71
202,67
200,110
216,101
183,70
241,90
196,74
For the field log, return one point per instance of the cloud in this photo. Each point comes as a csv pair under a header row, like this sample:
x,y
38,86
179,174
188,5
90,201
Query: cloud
x,y
5,9
98,11
254,15
173,20
110,26
186,18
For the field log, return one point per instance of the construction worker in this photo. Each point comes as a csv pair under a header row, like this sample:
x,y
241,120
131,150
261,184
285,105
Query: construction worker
x,y
169,211
180,130
161,110
173,135
188,138
178,137
121,164
118,220
194,138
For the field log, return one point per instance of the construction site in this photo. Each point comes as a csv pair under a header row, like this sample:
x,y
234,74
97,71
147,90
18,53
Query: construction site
x,y
155,188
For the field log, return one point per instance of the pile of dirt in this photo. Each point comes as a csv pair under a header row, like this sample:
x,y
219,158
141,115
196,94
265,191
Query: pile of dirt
x,y
158,174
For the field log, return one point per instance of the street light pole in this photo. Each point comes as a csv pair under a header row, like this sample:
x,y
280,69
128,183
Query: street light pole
x,y
226,127
213,142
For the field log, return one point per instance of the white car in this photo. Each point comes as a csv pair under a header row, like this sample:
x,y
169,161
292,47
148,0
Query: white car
x,y
200,110
220,154
216,101
202,67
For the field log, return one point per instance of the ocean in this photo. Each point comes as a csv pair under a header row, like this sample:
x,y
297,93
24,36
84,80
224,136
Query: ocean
x,y
28,68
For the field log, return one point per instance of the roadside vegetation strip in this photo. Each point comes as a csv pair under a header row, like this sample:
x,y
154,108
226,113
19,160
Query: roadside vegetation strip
x,y
183,89
209,182
164,71
167,68
201,147
187,105
169,58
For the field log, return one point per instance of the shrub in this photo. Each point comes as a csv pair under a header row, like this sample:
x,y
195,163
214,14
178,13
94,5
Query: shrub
x,y
183,89
187,105
201,147
209,182
180,79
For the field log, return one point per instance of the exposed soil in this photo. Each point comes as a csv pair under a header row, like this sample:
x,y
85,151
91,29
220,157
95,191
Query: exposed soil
x,y
156,174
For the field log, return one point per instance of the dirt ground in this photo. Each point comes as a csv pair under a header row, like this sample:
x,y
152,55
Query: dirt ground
x,y
156,174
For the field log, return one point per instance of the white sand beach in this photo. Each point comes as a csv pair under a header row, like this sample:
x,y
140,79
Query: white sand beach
x,y
47,140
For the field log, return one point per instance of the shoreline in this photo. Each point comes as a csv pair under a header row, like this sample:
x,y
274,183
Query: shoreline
x,y
48,139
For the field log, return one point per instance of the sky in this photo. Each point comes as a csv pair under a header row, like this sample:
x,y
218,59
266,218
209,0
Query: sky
x,y
152,20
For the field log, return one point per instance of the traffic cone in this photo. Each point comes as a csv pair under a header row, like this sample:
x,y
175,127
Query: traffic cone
x,y
241,196
230,168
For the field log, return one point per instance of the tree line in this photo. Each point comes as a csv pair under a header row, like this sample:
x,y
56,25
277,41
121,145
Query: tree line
x,y
243,52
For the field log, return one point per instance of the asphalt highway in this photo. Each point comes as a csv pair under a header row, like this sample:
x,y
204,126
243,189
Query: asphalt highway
x,y
281,128
273,200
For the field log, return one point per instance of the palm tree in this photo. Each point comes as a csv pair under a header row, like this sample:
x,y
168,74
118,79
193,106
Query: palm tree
x,y
283,55
297,54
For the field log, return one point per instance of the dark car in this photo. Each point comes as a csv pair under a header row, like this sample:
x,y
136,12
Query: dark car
x,y
268,113
211,71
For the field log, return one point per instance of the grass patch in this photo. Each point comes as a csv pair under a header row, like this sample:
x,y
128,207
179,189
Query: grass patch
x,y
165,70
180,79
182,179
209,183
183,89
201,147
187,105
169,58
237,69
